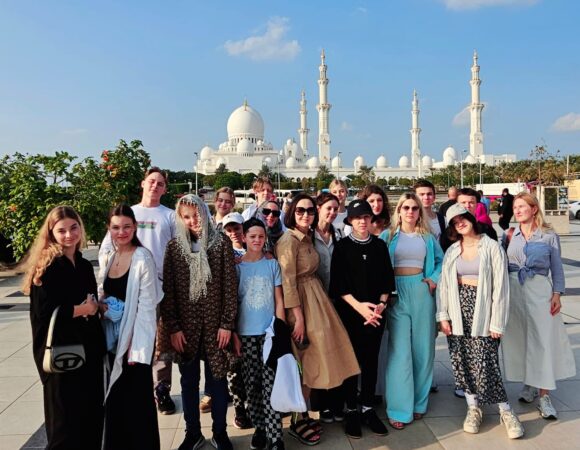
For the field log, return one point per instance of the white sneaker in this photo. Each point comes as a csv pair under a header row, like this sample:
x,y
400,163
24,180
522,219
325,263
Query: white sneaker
x,y
513,426
528,394
473,419
546,409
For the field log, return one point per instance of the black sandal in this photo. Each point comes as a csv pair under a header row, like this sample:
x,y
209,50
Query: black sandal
x,y
303,431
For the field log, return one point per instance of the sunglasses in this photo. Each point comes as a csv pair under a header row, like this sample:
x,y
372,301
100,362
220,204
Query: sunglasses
x,y
412,208
310,211
267,212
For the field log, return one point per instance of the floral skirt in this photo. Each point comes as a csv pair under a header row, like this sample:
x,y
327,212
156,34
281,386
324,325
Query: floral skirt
x,y
475,360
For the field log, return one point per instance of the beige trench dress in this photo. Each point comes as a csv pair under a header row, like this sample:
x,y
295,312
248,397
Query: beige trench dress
x,y
329,359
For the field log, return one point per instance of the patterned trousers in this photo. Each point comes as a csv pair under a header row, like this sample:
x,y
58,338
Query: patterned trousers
x,y
236,385
259,380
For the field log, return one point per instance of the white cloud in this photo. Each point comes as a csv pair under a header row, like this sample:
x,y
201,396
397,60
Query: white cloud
x,y
569,122
475,4
345,126
269,46
462,118
75,131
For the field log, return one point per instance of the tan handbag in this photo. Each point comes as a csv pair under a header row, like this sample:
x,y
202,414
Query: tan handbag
x,y
61,358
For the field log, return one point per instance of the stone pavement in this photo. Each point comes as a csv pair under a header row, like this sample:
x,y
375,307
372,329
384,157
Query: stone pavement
x,y
21,409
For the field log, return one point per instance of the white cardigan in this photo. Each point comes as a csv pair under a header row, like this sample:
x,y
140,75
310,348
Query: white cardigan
x,y
139,322
492,300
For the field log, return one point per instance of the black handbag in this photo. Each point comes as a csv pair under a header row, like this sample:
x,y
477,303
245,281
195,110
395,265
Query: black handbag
x,y
61,358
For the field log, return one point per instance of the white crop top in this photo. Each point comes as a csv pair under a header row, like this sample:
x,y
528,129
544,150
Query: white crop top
x,y
410,250
468,268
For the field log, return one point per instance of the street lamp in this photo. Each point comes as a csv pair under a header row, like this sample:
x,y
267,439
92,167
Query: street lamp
x,y
280,156
338,168
461,164
195,167
480,178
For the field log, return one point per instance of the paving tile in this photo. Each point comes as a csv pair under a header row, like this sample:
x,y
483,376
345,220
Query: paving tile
x,y
17,331
34,393
21,418
18,367
13,441
568,393
415,436
11,388
9,348
166,437
3,406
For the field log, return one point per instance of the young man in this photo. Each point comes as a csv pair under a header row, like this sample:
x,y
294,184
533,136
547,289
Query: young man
x,y
425,190
451,200
263,190
224,204
155,228
467,197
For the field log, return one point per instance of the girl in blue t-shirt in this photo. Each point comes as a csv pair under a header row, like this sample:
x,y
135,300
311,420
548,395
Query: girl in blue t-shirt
x,y
260,298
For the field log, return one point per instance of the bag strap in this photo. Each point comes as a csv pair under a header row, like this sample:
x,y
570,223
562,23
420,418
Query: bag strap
x,y
51,327
509,235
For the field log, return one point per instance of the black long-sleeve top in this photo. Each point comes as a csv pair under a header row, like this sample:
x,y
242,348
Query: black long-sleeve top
x,y
65,285
362,269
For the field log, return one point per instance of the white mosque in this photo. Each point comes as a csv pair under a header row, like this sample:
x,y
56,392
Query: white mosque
x,y
246,149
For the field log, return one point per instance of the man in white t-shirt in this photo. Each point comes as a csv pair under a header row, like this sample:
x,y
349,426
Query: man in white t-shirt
x,y
155,228
263,190
425,190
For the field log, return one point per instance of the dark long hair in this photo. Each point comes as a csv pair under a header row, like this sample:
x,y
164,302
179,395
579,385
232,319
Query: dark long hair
x,y
452,233
385,214
125,211
290,218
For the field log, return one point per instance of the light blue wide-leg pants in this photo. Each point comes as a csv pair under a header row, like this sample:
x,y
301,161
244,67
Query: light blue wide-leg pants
x,y
411,349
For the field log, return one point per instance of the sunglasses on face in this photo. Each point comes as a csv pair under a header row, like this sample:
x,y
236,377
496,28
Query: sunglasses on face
x,y
310,211
412,208
267,212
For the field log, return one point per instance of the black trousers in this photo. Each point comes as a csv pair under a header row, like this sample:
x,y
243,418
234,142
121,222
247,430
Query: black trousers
x,y
504,221
73,408
130,413
366,343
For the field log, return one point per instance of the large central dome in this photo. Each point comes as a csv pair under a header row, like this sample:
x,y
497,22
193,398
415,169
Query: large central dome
x,y
245,122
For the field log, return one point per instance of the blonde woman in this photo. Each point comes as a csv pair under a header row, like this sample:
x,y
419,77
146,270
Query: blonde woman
x,y
535,346
58,276
416,257
339,189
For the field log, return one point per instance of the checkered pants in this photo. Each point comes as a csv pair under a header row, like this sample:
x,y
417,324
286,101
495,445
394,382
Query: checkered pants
x,y
236,385
259,380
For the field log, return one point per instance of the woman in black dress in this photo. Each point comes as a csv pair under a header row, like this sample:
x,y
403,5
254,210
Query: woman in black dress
x,y
58,276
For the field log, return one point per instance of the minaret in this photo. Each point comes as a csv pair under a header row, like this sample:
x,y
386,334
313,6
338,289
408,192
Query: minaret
x,y
303,130
415,132
475,135
323,107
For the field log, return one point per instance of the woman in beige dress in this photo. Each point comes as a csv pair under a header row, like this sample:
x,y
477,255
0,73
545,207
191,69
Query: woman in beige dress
x,y
320,341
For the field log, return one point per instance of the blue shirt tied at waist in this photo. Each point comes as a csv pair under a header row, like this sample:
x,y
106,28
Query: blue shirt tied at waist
x,y
112,322
527,272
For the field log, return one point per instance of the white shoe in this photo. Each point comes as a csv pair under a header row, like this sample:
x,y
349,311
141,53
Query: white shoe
x,y
528,394
513,426
546,409
473,419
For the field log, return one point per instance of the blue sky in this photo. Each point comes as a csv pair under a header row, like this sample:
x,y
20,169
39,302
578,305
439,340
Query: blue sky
x,y
79,76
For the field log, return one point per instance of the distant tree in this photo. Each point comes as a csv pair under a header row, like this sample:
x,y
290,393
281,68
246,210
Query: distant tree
x,y
221,169
367,174
248,180
229,179
265,171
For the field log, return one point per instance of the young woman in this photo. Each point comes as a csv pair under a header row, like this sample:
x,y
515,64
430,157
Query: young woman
x,y
379,202
130,292
260,297
536,347
198,313
57,276
361,280
269,213
321,343
472,307
224,204
325,235
416,256
339,189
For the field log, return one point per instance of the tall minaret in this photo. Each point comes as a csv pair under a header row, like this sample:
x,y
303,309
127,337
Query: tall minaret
x,y
303,130
415,132
323,108
475,135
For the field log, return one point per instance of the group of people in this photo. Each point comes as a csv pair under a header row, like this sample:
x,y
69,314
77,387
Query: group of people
x,y
361,290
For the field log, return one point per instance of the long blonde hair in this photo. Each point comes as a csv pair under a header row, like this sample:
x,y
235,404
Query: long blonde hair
x,y
422,226
532,200
45,248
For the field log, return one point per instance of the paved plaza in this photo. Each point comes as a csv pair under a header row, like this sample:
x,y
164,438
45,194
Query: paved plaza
x,y
21,408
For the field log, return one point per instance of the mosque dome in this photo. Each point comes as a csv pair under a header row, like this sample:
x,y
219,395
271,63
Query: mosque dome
x,y
219,162
267,161
260,142
336,162
245,147
470,159
359,161
427,162
291,163
206,153
245,122
293,149
450,154
382,162
404,162
313,163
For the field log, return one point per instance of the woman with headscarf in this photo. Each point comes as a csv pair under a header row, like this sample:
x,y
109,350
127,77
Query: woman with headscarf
x,y
269,213
198,314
